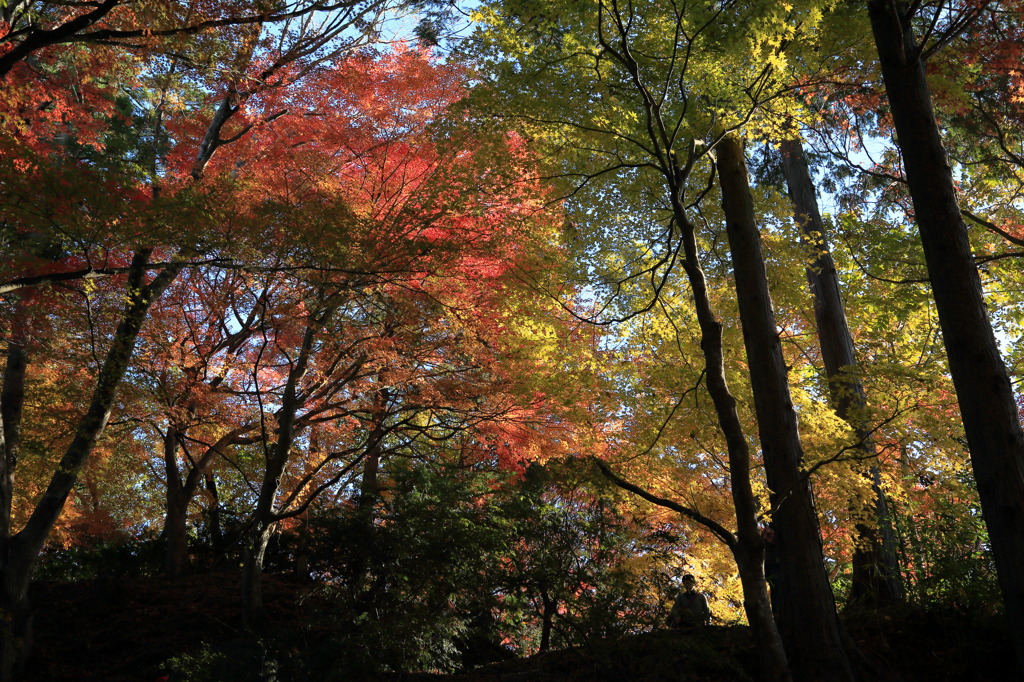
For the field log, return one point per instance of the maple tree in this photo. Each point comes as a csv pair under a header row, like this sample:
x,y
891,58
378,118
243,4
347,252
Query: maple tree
x,y
49,148
320,310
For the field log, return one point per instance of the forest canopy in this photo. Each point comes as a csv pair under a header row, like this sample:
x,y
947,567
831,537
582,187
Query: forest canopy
x,y
465,330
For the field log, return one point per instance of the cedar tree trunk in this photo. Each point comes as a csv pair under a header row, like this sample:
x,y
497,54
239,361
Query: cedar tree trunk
x,y
876,571
808,621
987,402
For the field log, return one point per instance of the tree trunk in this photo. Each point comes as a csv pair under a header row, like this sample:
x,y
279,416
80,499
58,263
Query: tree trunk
x,y
369,490
548,609
19,552
252,572
808,621
987,402
758,607
180,493
16,632
217,544
265,516
176,520
749,549
876,574
12,402
259,533
369,496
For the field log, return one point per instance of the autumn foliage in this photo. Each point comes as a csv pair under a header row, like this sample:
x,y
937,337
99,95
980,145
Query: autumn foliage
x,y
449,336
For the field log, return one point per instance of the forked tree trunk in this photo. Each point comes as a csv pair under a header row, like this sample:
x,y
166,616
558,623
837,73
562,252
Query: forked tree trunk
x,y
252,574
263,523
987,402
808,621
180,493
876,571
277,455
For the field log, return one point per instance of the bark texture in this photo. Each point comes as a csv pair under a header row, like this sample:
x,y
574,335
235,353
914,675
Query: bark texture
x,y
987,402
808,621
876,571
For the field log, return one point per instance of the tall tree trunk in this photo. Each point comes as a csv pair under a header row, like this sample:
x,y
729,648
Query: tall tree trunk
x,y
987,402
12,402
749,548
808,621
876,574
18,552
15,639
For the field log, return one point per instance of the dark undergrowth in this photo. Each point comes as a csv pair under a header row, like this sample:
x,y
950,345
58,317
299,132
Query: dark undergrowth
x,y
188,629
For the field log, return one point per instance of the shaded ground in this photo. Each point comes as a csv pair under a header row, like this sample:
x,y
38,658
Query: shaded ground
x,y
128,628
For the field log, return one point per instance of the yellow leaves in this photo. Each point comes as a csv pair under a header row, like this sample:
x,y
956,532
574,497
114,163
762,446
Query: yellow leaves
x,y
495,30
777,61
824,433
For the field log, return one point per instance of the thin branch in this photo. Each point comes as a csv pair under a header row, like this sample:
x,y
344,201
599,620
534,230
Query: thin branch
x,y
716,528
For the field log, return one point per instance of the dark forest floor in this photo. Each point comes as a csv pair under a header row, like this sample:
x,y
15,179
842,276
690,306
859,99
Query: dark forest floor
x,y
128,628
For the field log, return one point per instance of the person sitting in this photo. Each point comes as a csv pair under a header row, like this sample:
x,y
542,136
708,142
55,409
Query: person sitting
x,y
690,607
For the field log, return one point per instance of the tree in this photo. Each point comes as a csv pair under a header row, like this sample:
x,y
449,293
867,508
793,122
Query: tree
x,y
802,586
641,89
987,403
56,149
39,26
875,569
398,228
